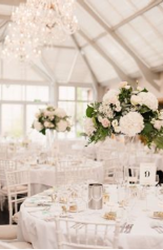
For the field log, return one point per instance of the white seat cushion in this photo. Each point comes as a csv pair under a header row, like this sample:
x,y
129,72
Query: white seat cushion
x,y
8,232
21,245
19,188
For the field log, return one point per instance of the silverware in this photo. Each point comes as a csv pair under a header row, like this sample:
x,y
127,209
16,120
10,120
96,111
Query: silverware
x,y
123,227
158,229
127,228
130,228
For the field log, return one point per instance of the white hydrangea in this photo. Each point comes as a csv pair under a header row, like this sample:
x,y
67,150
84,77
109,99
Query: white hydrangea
x,y
60,112
135,100
62,126
131,124
111,97
149,100
89,126
37,125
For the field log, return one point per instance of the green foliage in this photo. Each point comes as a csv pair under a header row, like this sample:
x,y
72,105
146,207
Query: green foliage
x,y
150,134
89,111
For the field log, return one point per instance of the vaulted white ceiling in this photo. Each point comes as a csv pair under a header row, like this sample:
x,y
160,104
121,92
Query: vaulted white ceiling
x,y
117,40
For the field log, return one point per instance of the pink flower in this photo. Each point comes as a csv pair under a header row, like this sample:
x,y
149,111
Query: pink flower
x,y
105,122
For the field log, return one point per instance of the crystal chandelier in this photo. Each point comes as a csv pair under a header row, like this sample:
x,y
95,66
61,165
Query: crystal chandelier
x,y
39,23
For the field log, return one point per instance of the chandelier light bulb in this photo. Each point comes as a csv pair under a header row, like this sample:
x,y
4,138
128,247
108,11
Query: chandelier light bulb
x,y
39,23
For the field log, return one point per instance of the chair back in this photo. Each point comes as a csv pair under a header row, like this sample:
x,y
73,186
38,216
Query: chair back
x,y
6,165
88,235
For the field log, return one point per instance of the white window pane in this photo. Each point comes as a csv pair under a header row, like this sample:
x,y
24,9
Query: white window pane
x,y
12,120
81,114
66,93
37,93
13,92
84,94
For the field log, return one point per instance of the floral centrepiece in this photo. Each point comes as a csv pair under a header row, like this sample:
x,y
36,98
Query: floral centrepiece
x,y
126,111
51,118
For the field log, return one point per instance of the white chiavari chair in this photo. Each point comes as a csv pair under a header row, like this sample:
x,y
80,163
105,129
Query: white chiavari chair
x,y
80,234
5,165
3,151
67,172
71,172
18,189
113,171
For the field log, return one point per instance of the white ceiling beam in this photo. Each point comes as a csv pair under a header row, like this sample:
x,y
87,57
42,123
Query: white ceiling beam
x,y
150,76
63,47
138,13
25,82
72,66
95,80
40,71
48,69
122,76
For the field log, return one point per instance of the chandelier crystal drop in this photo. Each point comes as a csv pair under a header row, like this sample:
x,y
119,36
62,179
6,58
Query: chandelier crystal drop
x,y
39,23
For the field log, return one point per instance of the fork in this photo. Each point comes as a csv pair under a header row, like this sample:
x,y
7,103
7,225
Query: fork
x,y
158,229
128,228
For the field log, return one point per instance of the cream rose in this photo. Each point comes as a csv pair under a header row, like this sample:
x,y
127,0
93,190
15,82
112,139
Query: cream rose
x,y
62,126
60,112
135,100
105,122
37,125
149,100
158,124
89,126
111,96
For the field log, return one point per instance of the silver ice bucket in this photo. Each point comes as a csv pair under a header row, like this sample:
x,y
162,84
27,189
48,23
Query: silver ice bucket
x,y
95,196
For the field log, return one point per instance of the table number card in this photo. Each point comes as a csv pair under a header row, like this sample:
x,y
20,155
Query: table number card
x,y
147,174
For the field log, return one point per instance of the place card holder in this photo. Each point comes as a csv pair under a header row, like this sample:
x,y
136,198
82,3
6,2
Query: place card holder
x,y
147,174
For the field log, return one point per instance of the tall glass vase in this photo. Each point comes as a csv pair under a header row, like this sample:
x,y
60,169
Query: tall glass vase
x,y
49,139
129,157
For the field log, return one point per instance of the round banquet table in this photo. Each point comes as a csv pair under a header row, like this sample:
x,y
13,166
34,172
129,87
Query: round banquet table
x,y
43,176
36,221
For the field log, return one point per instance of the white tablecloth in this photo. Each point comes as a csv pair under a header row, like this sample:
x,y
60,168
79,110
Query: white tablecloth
x,y
43,176
34,226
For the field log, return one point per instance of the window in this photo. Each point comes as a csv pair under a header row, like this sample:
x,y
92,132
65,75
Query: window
x,y
74,101
12,120
18,106
13,92
67,93
37,93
